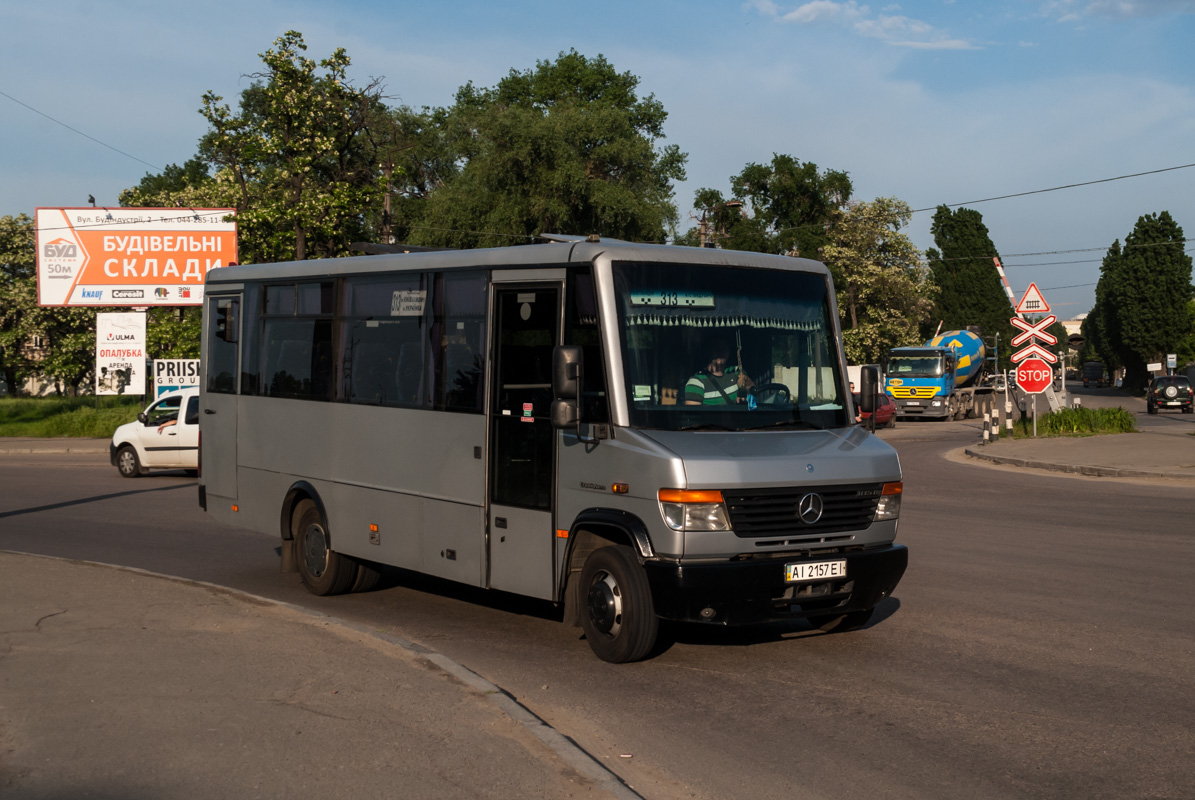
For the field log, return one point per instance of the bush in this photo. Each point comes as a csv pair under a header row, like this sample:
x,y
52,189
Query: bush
x,y
46,417
1079,422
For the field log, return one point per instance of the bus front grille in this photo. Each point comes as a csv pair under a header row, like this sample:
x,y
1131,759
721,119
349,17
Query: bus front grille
x,y
769,512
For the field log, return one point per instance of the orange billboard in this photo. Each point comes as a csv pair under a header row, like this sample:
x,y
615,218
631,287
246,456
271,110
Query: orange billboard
x,y
130,256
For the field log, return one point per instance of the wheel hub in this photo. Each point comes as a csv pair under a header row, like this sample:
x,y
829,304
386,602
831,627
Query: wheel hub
x,y
605,604
315,550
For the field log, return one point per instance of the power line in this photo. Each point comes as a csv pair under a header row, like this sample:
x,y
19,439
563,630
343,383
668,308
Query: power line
x,y
1054,188
81,133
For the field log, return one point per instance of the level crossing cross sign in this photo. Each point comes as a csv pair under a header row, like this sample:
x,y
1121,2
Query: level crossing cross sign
x,y
1034,375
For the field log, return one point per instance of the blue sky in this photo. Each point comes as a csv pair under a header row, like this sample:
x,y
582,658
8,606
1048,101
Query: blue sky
x,y
935,101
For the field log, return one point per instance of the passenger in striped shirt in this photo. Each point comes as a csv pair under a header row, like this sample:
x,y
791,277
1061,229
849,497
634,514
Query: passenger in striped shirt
x,y
718,384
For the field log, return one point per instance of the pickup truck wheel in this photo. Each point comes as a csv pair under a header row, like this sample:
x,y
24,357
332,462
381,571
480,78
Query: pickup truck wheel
x,y
841,623
619,620
323,570
127,462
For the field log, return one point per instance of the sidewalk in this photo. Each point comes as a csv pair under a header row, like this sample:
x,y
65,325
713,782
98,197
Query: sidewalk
x,y
116,683
1122,455
17,445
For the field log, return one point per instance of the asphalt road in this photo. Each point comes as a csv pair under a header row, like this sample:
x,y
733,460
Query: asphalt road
x,y
1039,646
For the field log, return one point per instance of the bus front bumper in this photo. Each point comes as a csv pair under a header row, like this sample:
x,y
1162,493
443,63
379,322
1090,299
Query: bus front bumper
x,y
755,590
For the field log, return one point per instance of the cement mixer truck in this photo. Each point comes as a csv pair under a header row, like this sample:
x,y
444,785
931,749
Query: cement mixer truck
x,y
947,378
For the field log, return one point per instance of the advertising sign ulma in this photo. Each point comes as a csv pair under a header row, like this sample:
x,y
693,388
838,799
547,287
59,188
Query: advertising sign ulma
x,y
130,256
120,353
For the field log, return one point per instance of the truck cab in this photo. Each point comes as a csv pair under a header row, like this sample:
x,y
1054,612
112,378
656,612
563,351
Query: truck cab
x,y
920,380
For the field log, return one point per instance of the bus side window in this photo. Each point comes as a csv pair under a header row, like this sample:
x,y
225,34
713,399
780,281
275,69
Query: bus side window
x,y
581,328
222,348
458,341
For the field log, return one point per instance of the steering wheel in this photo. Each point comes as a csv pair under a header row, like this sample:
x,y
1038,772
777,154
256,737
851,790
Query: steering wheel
x,y
770,394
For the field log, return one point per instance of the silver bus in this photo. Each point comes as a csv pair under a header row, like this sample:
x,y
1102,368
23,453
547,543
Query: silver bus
x,y
633,432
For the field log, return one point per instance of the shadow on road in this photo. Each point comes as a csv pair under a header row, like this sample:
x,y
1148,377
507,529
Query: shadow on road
x,y
95,499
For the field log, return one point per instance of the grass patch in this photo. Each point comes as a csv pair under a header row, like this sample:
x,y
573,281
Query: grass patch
x,y
1077,422
83,417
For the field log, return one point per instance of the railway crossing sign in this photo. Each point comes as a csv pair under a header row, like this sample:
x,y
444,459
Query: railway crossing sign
x,y
1032,302
1035,350
1034,375
1034,330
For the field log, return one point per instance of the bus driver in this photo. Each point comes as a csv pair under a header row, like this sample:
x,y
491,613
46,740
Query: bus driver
x,y
717,384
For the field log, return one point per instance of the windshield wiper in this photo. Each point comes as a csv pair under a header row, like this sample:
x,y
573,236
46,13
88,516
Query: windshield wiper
x,y
795,423
707,426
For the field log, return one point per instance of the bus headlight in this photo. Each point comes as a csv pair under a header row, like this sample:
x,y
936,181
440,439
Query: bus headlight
x,y
693,510
889,505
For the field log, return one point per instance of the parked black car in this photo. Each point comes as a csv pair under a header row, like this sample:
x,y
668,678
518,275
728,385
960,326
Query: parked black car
x,y
1170,391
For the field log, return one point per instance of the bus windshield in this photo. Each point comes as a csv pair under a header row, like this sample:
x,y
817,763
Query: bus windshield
x,y
726,348
915,367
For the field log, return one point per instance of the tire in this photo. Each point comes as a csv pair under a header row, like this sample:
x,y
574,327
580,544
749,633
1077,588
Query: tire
x,y
841,623
619,620
191,473
127,462
1151,408
366,577
323,571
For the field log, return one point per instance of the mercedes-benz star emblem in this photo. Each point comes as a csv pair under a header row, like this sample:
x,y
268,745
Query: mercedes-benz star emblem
x,y
810,508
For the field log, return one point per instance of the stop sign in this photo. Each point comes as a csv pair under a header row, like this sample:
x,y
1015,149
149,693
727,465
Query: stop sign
x,y
1034,375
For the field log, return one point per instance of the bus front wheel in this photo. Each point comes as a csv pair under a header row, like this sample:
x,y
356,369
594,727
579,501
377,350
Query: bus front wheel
x,y
619,620
323,570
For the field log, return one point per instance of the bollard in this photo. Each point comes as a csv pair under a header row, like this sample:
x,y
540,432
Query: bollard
x,y
995,425
987,431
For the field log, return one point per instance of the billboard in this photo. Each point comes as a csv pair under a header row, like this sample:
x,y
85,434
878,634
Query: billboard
x,y
130,256
120,353
172,374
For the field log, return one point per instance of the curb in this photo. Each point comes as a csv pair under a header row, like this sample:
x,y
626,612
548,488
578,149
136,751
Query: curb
x,y
27,451
1076,469
568,750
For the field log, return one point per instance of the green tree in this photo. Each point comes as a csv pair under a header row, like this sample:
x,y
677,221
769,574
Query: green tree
x,y
970,292
17,267
567,147
885,294
297,156
781,207
1143,295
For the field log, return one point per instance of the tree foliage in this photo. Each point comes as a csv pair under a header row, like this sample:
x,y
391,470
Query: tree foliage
x,y
885,294
1143,310
781,207
970,292
567,147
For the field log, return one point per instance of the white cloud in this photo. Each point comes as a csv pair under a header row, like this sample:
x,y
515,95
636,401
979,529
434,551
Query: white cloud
x,y
894,29
1078,10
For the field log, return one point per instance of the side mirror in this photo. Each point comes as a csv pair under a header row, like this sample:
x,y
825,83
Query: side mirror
x,y
564,414
144,420
869,378
566,372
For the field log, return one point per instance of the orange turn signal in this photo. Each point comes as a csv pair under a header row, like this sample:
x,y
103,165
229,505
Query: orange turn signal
x,y
561,534
894,488
688,496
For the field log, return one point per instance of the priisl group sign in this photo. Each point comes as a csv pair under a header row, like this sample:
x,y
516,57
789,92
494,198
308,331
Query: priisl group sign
x,y
130,256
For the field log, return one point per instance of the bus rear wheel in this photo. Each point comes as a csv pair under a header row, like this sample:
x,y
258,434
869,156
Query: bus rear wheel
x,y
619,620
323,570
